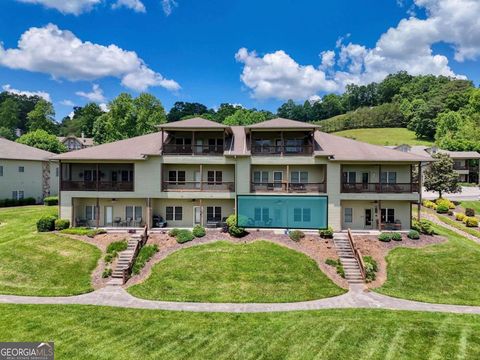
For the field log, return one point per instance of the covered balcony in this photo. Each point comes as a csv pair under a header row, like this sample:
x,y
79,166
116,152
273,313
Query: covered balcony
x,y
202,178
97,177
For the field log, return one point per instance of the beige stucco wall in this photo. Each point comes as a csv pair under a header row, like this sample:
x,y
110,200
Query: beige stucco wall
x,y
403,172
228,171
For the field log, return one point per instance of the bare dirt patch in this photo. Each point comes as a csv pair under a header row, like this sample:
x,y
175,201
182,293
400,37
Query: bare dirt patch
x,y
378,250
312,245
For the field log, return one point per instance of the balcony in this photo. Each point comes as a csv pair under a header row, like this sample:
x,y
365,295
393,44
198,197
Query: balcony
x,y
460,167
175,149
379,188
70,185
281,150
288,188
203,186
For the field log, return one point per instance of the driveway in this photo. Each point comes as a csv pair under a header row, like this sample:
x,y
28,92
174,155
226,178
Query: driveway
x,y
468,193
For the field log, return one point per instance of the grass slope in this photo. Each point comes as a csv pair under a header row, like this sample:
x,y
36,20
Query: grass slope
x,y
444,273
473,205
41,264
226,272
384,136
82,332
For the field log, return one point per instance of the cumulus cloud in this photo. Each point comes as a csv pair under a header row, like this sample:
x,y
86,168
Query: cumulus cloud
x,y
408,46
41,94
61,54
168,6
96,95
75,7
135,5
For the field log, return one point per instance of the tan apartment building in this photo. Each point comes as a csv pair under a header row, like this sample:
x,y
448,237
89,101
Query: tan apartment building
x,y
276,174
26,172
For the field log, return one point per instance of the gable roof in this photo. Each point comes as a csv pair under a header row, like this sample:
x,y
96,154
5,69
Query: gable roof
x,y
281,123
194,123
12,150
136,148
82,140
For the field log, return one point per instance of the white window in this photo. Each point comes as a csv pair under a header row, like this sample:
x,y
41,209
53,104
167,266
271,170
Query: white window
x,y
133,212
91,212
214,213
302,215
389,177
20,195
260,177
388,216
348,215
21,169
299,177
176,177
350,177
1,170
214,177
174,213
15,195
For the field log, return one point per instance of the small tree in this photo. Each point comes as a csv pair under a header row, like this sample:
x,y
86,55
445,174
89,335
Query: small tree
x,y
441,177
42,140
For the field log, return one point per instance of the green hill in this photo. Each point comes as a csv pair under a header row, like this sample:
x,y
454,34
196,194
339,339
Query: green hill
x,y
384,136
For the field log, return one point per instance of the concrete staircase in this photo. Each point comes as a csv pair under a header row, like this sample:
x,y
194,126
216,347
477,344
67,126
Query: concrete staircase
x,y
347,257
125,261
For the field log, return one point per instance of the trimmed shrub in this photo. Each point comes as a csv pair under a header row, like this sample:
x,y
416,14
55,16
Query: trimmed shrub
x,y
50,201
173,232
184,236
296,235
459,216
396,237
385,237
326,233
471,221
19,202
340,270
62,224
233,229
469,212
428,204
107,273
84,231
109,257
413,234
423,227
445,202
442,209
144,255
199,231
46,223
117,246
332,262
371,267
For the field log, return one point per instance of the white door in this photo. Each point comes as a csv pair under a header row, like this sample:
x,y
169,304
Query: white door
x,y
197,215
108,215
198,179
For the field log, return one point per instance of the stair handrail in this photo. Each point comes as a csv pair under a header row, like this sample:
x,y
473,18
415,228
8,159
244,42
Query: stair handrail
x,y
356,253
126,272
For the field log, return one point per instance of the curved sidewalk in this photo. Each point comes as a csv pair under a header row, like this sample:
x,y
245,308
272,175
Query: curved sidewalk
x,y
355,298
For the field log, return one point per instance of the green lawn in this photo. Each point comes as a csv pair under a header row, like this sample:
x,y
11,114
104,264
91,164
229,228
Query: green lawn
x,y
472,204
446,273
384,136
225,272
83,332
459,225
41,264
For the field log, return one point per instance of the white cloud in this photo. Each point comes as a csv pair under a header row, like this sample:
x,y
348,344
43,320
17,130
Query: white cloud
x,y
41,94
96,95
61,54
408,46
104,107
67,102
75,7
135,5
168,6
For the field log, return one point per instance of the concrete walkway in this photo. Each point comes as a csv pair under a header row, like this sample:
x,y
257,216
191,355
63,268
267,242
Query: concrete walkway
x,y
356,298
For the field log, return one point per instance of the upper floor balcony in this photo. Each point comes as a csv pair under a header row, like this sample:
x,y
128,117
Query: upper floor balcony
x,y
96,177
203,178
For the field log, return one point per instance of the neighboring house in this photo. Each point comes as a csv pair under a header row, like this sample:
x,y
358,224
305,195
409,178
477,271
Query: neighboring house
x,y
466,163
73,142
276,174
26,171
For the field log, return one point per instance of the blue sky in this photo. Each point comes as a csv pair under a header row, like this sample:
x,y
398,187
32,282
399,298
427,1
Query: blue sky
x,y
298,49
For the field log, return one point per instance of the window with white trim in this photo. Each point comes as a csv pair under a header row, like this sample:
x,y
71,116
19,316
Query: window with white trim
x,y
133,212
389,177
173,213
91,212
260,177
299,177
388,216
21,169
214,177
350,177
176,177
214,213
348,215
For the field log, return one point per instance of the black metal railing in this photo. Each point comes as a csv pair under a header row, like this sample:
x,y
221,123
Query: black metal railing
x,y
282,149
174,149
198,186
379,188
71,185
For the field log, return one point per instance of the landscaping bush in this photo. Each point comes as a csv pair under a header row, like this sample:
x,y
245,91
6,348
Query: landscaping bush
x,y
144,255
326,233
173,232
83,231
107,273
233,229
471,221
117,246
199,231
423,227
46,223
50,201
469,212
296,235
62,224
332,262
445,202
459,216
442,209
428,204
19,202
340,270
371,268
385,237
396,236
184,236
413,234
109,257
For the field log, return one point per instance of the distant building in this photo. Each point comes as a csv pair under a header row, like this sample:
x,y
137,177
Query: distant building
x,y
26,172
466,163
73,142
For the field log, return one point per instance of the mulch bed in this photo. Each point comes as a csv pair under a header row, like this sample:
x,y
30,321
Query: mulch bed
x,y
370,245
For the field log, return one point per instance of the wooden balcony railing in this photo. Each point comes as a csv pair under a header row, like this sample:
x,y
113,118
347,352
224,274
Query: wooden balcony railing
x,y
379,188
70,185
174,149
198,186
291,187
282,150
